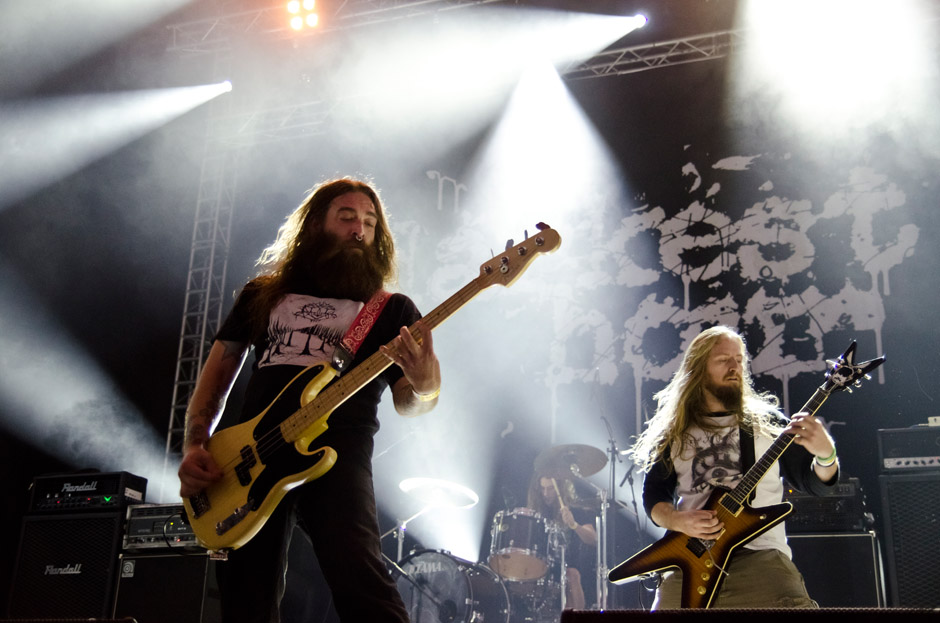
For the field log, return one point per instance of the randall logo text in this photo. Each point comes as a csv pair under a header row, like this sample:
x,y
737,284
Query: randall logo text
x,y
85,486
66,570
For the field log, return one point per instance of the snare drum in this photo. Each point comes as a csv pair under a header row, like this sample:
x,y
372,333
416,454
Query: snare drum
x,y
519,547
443,587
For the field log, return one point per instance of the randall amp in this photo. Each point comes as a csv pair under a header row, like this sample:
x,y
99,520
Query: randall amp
x,y
909,449
86,491
67,559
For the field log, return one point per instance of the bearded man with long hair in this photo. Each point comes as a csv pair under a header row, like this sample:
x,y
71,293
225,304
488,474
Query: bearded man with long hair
x,y
331,256
710,425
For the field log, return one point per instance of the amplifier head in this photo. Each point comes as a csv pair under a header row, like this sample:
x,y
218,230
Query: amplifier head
x,y
86,491
909,449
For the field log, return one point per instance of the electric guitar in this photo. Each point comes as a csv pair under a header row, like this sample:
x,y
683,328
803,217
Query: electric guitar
x,y
702,561
265,457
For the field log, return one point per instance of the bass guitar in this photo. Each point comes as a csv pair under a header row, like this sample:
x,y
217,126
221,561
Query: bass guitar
x,y
702,561
265,457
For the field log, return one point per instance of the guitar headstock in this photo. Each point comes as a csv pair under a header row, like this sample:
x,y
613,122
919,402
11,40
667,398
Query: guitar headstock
x,y
509,265
844,373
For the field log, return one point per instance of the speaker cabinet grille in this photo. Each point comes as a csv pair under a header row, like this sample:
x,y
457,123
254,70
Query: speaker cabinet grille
x,y
66,566
841,570
911,508
177,587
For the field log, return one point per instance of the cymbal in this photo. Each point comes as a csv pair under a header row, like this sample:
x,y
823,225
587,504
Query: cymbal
x,y
570,460
437,492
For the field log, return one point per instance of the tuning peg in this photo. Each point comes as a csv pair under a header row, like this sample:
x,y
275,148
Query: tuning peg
x,y
509,244
542,226
525,234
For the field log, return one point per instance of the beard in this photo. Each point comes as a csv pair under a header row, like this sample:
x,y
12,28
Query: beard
x,y
731,396
338,269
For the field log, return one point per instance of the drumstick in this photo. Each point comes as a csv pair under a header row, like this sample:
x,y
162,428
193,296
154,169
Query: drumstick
x,y
558,493
561,502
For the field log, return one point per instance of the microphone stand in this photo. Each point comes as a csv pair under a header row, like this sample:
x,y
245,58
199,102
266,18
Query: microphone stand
x,y
608,532
399,529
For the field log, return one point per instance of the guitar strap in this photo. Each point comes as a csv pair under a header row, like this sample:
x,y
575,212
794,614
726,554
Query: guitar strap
x,y
358,330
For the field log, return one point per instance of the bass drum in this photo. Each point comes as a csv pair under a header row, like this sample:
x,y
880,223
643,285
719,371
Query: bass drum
x,y
441,588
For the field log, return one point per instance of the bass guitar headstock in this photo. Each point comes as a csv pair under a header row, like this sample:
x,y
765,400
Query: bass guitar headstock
x,y
844,373
509,265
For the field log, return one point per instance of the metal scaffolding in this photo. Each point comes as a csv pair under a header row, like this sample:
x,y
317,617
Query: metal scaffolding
x,y
657,55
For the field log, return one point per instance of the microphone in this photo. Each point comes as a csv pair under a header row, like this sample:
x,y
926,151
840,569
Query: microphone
x,y
628,475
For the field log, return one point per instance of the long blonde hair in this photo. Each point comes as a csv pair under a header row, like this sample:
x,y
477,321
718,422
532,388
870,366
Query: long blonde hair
x,y
682,402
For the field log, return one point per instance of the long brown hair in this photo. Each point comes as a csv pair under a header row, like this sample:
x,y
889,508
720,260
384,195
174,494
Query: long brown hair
x,y
279,260
682,402
536,501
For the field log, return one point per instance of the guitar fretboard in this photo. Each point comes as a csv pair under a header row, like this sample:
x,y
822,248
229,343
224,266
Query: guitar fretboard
x,y
753,476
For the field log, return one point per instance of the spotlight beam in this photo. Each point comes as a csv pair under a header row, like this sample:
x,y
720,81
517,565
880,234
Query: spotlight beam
x,y
49,139
55,397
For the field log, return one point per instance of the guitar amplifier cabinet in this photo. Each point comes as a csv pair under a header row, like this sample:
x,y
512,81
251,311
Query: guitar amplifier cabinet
x,y
66,565
910,505
167,586
841,570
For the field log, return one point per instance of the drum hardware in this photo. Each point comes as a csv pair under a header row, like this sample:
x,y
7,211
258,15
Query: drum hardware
x,y
434,493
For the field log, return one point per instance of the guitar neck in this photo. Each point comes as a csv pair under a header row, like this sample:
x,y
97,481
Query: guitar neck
x,y
753,476
355,379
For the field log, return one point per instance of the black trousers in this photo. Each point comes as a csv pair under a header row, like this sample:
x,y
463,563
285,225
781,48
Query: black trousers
x,y
338,513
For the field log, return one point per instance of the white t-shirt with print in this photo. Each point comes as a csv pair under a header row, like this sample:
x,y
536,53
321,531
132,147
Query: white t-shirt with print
x,y
713,458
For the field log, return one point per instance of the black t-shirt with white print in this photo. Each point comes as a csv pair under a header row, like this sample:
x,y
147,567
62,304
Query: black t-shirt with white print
x,y
303,330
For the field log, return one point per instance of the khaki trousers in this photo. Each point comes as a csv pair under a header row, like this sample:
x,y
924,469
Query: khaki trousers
x,y
756,579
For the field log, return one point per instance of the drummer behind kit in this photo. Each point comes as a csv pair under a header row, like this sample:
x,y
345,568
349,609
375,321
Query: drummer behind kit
x,y
522,579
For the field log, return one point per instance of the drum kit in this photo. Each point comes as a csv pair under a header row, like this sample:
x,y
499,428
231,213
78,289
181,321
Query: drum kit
x,y
523,578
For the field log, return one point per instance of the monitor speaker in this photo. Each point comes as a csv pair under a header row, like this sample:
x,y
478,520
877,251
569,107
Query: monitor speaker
x,y
841,569
66,566
174,586
910,506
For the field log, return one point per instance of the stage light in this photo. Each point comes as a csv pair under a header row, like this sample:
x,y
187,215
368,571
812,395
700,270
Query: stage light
x,y
639,21
303,14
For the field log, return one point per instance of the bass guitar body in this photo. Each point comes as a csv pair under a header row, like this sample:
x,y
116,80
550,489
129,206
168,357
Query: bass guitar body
x,y
260,466
702,562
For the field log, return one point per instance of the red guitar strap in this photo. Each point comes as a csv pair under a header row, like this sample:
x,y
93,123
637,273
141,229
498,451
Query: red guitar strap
x,y
359,329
